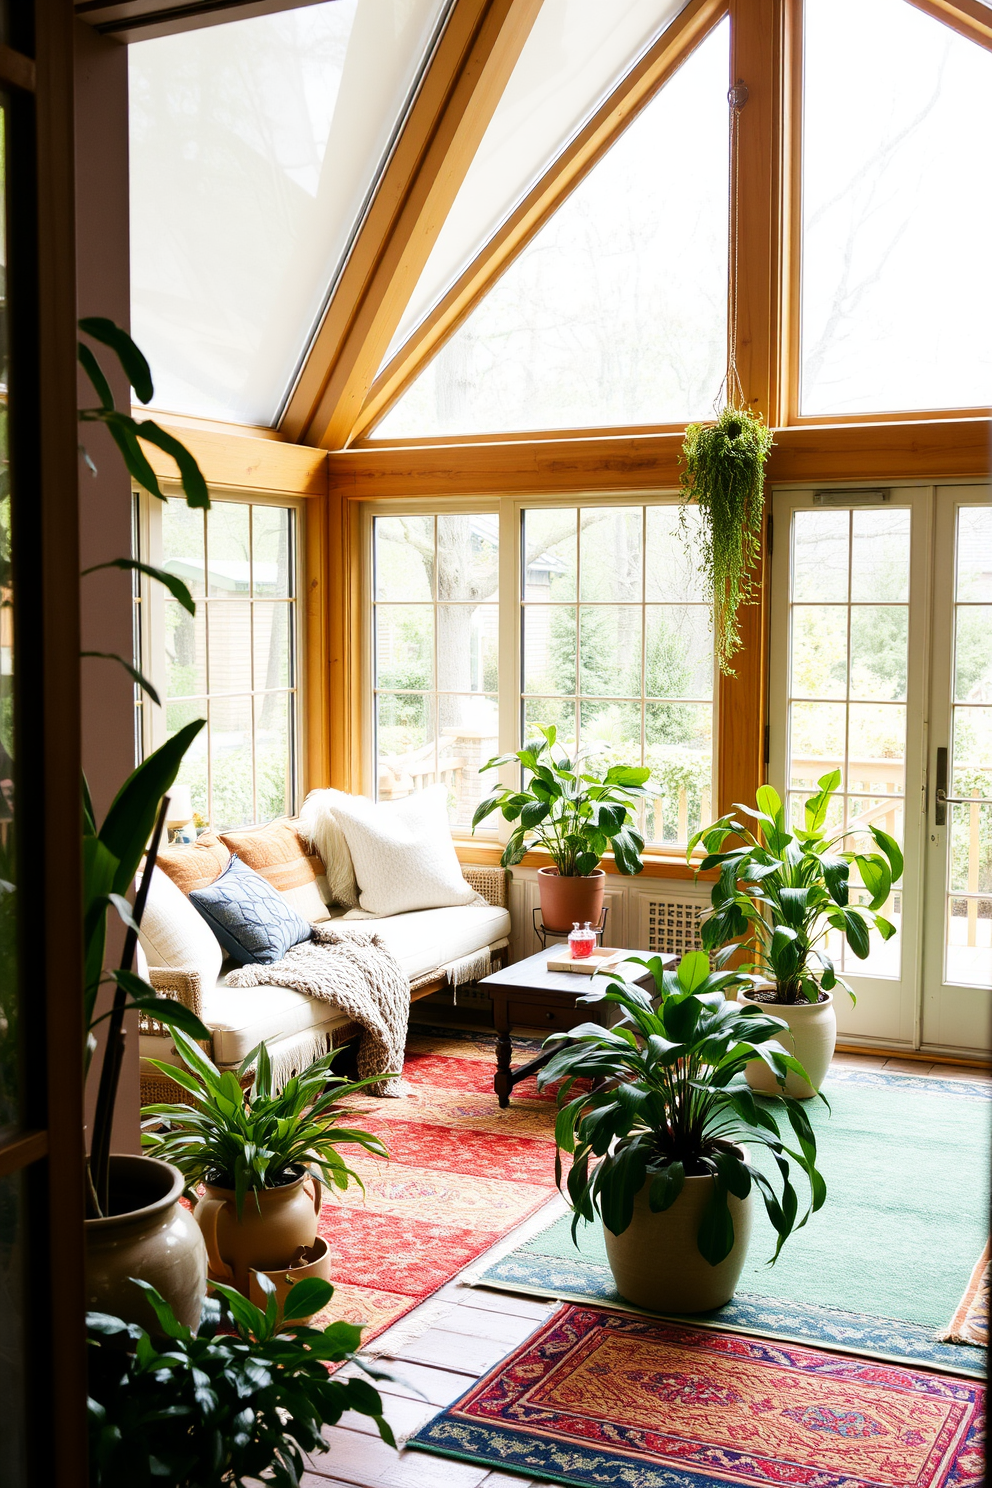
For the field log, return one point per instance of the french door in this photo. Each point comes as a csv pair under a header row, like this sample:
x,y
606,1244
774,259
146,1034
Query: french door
x,y
881,668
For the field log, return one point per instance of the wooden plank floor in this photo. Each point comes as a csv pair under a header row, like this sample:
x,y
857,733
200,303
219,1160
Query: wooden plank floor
x,y
467,1331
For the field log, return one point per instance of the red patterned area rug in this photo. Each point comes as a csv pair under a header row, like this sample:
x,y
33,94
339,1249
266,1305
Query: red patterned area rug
x,y
462,1173
601,1397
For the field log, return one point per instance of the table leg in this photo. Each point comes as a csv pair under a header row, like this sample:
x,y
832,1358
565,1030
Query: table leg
x,y
502,1083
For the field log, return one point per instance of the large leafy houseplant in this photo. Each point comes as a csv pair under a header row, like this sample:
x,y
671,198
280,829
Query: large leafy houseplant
x,y
252,1140
672,1107
575,814
112,851
724,474
785,891
241,1400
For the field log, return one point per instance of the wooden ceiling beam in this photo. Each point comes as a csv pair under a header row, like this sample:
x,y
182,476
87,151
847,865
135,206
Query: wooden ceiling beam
x,y
456,100
969,18
583,152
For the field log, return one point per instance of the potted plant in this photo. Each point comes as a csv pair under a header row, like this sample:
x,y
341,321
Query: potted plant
x,y
724,475
135,1225
241,1400
674,1181
786,894
261,1158
577,816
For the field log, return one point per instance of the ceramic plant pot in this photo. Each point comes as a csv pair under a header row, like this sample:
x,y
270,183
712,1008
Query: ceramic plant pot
x,y
567,900
275,1224
149,1235
811,1039
315,1261
656,1262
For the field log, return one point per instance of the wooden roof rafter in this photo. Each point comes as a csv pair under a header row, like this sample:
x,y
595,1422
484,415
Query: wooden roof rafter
x,y
970,18
620,108
461,87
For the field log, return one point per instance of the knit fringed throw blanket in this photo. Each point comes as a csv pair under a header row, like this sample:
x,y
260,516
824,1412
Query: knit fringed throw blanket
x,y
363,978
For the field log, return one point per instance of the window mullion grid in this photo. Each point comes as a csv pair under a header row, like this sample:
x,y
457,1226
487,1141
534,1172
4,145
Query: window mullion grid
x,y
206,669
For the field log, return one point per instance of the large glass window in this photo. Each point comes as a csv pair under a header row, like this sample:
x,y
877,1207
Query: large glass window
x,y
616,311
254,146
435,643
610,636
234,662
897,216
848,666
618,652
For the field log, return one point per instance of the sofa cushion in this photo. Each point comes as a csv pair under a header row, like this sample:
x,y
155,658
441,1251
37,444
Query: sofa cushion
x,y
425,939
249,917
195,865
276,851
173,934
243,1016
403,854
322,833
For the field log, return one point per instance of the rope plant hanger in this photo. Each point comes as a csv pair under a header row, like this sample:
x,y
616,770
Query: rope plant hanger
x,y
724,466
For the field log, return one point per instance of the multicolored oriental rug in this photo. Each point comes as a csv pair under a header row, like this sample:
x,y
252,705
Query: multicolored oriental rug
x,y
879,1270
598,1397
462,1174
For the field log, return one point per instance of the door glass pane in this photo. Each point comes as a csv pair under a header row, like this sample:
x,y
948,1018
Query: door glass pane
x,y
968,951
605,318
847,679
896,296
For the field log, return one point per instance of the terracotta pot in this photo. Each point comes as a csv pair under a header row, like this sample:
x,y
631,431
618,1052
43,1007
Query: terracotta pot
x,y
316,1261
150,1236
656,1262
275,1223
811,1039
565,900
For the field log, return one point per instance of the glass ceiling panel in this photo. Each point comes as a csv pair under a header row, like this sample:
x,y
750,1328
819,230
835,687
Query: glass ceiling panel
x,y
254,146
576,52
897,212
616,311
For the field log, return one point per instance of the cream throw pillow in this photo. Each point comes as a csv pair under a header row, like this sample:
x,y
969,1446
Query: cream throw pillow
x,y
175,934
402,852
320,831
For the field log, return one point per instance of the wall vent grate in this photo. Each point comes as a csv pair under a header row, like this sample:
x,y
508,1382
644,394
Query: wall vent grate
x,y
673,926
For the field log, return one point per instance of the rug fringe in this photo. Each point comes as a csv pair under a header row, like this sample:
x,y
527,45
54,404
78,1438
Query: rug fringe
x,y
970,1323
417,1322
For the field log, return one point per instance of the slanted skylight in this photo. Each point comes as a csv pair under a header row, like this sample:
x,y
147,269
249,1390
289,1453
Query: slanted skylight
x,y
254,146
575,53
897,213
616,311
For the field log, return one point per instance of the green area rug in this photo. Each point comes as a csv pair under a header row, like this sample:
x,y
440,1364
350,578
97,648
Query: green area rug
x,y
881,1269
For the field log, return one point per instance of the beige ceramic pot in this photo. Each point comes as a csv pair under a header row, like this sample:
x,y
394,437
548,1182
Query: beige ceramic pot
x,y
149,1236
656,1262
811,1038
567,900
316,1261
268,1235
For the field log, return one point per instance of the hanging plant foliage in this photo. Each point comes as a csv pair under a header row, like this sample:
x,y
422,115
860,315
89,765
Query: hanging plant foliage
x,y
724,475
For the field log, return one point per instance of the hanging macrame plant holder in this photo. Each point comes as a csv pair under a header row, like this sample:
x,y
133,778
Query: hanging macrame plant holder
x,y
724,470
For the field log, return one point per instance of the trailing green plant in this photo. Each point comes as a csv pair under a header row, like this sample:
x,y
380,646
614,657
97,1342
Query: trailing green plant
x,y
672,1108
574,814
724,474
258,1139
240,1401
786,893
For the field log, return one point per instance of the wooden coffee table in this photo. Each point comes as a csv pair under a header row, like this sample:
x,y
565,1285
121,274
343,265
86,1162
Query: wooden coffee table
x,y
528,995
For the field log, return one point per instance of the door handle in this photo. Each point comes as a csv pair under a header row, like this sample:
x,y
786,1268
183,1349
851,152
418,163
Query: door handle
x,y
942,800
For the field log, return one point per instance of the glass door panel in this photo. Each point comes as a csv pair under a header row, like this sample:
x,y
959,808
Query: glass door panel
x,y
958,985
847,636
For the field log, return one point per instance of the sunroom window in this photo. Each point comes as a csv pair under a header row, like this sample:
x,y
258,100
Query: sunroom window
x,y
235,662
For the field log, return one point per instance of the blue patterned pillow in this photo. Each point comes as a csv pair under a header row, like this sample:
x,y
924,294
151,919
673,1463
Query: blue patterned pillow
x,y
251,919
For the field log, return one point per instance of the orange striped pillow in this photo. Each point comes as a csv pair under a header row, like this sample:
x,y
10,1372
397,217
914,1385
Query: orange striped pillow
x,y
195,865
277,853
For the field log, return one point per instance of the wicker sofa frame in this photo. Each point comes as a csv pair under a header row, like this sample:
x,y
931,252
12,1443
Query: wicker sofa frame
x,y
184,986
